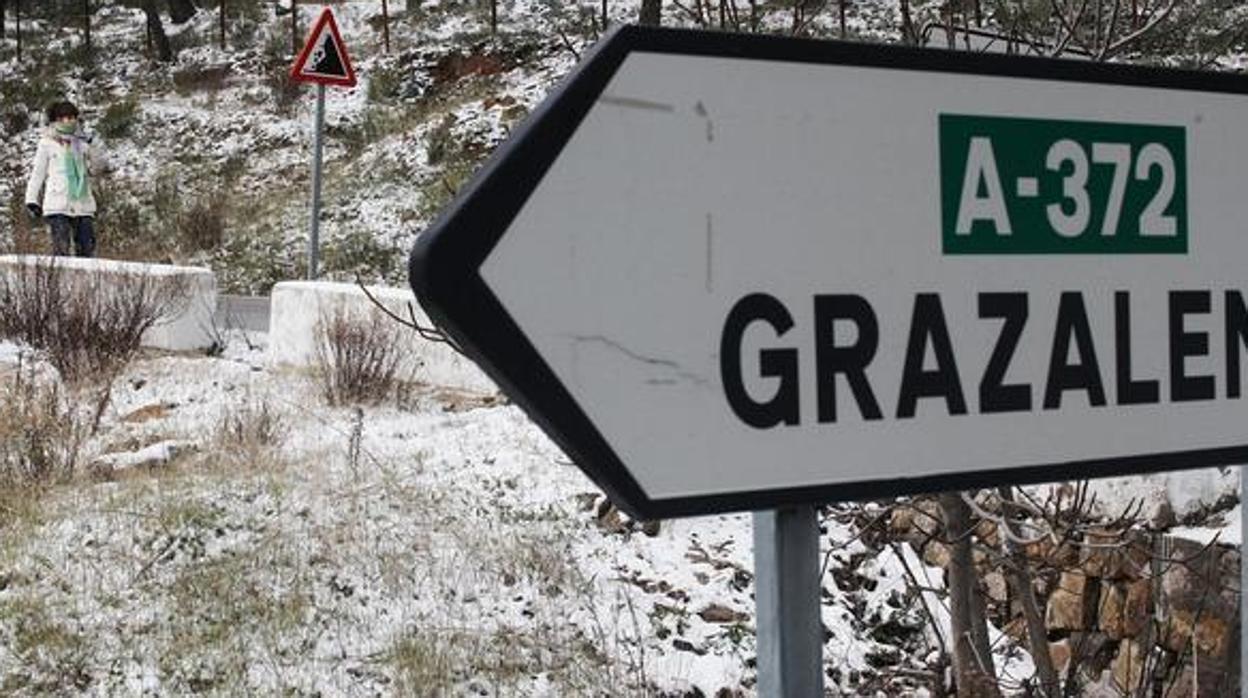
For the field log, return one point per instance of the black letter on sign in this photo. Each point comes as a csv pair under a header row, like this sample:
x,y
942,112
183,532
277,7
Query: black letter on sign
x,y
774,363
1184,388
994,395
1130,391
1072,321
928,320
1236,334
852,360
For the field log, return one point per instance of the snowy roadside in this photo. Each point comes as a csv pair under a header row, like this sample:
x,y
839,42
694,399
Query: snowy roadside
x,y
438,544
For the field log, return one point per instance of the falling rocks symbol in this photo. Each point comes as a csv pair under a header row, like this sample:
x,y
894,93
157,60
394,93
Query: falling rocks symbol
x,y
325,60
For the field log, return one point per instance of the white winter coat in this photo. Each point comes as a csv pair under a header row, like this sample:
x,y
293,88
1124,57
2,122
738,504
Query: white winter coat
x,y
48,173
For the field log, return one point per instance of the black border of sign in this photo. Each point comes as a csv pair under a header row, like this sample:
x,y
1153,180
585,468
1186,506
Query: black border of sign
x,y
445,262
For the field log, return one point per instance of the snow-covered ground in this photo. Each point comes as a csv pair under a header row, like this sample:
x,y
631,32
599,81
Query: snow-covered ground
x,y
435,544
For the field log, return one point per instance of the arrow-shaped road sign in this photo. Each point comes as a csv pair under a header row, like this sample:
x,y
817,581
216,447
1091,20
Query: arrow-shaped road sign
x,y
729,272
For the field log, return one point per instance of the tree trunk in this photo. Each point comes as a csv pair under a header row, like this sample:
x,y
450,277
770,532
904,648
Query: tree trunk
x,y
651,14
294,28
181,10
385,25
3,8
1019,573
908,35
842,4
86,23
493,17
223,4
972,656
156,28
606,20
17,24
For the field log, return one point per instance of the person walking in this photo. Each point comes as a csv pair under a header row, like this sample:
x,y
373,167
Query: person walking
x,y
61,170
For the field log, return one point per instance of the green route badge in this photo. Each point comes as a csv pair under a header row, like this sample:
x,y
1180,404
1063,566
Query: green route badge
x,y
1039,186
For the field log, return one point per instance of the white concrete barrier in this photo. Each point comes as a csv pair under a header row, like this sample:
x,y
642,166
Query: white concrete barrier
x,y
298,306
189,323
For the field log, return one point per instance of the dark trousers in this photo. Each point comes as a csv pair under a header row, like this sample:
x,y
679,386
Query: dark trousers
x,y
81,229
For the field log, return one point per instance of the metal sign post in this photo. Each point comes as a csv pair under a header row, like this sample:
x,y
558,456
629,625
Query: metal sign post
x,y
323,61
315,226
786,596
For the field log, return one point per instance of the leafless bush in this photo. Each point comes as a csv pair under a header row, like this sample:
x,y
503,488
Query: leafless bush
x,y
40,435
357,357
202,224
88,326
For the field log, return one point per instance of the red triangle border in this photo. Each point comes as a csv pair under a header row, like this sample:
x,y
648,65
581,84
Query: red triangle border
x,y
296,72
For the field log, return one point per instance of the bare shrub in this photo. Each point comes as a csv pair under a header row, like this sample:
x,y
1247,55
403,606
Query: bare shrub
x,y
357,357
89,326
40,435
202,223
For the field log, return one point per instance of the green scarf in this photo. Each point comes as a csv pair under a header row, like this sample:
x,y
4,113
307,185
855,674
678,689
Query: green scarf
x,y
75,160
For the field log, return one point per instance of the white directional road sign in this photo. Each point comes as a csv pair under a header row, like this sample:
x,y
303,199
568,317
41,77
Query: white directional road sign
x,y
729,272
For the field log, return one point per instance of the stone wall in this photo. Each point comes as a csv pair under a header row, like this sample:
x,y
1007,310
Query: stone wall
x,y
1122,607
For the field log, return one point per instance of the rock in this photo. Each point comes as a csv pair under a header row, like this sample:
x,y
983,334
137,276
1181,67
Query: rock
x,y
1072,605
1048,554
1117,554
147,413
686,646
936,554
1059,652
998,589
718,613
153,456
1128,666
610,519
1124,608
1095,650
1200,597
1204,633
987,533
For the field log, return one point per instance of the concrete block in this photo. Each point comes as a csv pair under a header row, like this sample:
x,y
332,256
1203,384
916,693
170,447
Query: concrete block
x,y
299,306
189,324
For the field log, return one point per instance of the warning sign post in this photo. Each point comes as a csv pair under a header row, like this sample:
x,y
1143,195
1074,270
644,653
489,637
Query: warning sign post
x,y
323,61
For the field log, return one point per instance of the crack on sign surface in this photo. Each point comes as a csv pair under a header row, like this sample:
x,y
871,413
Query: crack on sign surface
x,y
641,358
700,110
636,103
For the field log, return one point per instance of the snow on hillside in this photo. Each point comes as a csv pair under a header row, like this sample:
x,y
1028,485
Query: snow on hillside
x,y
224,126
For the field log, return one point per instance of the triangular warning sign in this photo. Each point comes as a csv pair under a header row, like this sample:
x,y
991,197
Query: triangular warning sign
x,y
324,57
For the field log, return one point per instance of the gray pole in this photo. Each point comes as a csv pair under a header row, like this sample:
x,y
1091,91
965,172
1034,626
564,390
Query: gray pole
x,y
786,595
314,233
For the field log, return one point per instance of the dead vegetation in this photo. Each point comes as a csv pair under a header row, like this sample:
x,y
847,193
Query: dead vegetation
x,y
40,436
357,358
87,326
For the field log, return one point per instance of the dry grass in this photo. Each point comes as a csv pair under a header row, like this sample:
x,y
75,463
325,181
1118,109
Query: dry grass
x,y
41,436
250,436
357,357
